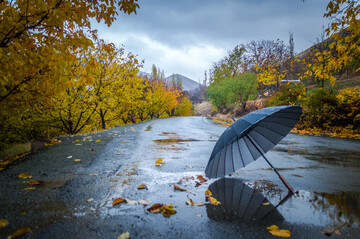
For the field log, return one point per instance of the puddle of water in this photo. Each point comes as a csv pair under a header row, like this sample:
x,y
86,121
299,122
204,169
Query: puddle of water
x,y
263,202
149,127
173,140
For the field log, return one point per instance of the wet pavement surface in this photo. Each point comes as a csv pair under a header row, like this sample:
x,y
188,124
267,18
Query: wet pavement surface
x,y
76,199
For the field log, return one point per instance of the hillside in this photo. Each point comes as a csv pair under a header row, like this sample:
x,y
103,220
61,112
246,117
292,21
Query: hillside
x,y
187,83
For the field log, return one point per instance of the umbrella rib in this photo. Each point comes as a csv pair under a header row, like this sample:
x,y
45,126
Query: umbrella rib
x,y
259,125
264,136
241,157
232,156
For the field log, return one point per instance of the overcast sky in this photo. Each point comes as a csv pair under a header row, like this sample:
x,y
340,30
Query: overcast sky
x,y
187,36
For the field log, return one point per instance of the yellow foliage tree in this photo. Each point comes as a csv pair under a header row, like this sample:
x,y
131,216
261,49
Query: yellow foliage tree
x,y
344,30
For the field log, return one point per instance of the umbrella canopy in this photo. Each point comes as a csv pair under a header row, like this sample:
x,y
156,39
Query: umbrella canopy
x,y
240,202
250,137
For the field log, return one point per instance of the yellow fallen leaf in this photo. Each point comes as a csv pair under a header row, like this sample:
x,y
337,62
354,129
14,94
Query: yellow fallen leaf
x,y
266,203
125,235
31,188
168,210
35,182
24,175
142,186
198,215
77,140
159,162
97,141
213,201
117,153
208,193
123,141
77,160
280,233
118,200
4,222
273,227
20,232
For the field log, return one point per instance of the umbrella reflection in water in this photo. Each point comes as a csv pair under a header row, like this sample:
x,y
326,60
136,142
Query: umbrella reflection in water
x,y
240,202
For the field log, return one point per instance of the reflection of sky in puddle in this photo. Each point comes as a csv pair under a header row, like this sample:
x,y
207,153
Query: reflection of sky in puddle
x,y
321,209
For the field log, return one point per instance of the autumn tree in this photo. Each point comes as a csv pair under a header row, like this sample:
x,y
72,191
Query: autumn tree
x,y
229,66
37,44
344,30
267,58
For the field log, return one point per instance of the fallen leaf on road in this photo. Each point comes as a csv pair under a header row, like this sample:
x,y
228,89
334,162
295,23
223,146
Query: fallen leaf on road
x,y
155,208
159,162
266,203
123,141
117,153
77,140
201,179
192,203
280,233
91,149
208,193
273,227
143,186
198,215
24,175
97,141
329,232
125,235
213,201
118,200
128,201
20,232
35,182
25,189
93,174
78,144
179,188
189,166
275,231
168,210
77,160
144,202
90,200
187,178
4,222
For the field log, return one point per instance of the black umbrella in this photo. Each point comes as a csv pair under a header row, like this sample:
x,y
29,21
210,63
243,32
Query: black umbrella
x,y
250,137
240,202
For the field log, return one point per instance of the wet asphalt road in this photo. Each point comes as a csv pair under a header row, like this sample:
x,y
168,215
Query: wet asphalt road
x,y
76,198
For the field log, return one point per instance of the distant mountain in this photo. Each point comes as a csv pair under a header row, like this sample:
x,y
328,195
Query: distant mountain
x,y
187,83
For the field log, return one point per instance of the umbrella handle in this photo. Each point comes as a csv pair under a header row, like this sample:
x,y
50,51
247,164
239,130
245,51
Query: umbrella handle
x,y
286,184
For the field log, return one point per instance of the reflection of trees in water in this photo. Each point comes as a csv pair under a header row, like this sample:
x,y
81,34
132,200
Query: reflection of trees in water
x,y
340,207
